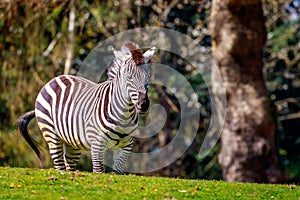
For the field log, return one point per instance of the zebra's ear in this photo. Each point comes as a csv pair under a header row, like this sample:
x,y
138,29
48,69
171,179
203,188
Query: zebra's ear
x,y
149,54
120,55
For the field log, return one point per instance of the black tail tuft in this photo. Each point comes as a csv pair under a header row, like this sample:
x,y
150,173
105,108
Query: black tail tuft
x,y
23,122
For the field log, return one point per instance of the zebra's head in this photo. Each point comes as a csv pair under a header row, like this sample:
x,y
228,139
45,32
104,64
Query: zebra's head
x,y
135,74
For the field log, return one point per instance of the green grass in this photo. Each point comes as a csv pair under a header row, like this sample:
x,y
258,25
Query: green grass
x,y
19,183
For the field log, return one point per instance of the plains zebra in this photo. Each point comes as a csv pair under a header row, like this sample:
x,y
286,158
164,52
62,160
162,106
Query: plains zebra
x,y
74,113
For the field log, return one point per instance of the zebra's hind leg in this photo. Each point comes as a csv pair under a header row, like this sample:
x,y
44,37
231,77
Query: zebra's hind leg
x,y
56,152
71,156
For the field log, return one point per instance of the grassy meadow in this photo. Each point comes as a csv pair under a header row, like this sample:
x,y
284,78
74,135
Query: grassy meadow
x,y
25,183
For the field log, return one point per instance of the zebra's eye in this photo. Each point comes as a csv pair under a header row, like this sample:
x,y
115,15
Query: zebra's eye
x,y
129,76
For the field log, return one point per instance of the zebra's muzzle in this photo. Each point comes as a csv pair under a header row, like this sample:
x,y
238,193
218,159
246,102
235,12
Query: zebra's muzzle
x,y
142,103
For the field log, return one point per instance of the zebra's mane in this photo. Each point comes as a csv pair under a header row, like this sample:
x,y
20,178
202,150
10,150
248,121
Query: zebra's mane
x,y
136,53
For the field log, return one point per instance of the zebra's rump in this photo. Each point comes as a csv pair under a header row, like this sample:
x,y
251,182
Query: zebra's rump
x,y
63,107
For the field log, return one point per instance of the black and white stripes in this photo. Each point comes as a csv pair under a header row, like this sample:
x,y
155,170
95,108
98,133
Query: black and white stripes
x,y
74,113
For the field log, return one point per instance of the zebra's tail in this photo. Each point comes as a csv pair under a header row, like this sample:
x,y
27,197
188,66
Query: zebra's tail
x,y
23,122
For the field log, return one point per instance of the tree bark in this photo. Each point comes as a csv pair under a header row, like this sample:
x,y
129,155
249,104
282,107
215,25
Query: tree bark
x,y
248,141
71,37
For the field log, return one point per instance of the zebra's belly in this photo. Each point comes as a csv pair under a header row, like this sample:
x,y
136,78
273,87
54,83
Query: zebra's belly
x,y
119,143
75,138
112,136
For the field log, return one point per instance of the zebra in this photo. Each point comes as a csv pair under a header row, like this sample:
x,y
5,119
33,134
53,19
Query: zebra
x,y
76,114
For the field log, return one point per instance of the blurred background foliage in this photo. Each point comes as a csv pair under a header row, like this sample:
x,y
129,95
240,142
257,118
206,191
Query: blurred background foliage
x,y
34,45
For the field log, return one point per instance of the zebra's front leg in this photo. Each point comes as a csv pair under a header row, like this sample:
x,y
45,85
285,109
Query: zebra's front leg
x,y
98,149
120,158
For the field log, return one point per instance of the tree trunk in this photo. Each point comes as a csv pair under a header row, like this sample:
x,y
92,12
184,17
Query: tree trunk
x,y
248,141
71,37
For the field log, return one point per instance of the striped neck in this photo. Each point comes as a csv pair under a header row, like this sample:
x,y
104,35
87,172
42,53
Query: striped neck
x,y
122,109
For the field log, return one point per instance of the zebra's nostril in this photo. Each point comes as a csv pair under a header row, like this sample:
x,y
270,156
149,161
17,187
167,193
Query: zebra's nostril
x,y
143,102
142,97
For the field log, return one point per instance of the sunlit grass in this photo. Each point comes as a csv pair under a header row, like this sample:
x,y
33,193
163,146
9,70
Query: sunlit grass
x,y
24,183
